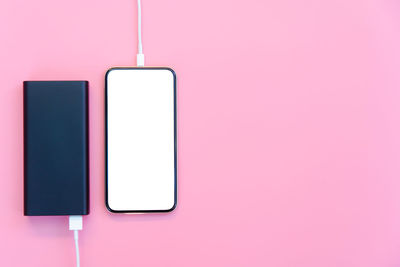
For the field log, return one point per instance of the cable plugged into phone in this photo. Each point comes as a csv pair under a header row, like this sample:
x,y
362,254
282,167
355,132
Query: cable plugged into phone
x,y
140,55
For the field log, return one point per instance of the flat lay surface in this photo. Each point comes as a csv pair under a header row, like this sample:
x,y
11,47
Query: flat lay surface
x,y
288,130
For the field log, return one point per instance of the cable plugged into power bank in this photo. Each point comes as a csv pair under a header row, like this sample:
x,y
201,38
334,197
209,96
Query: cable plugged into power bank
x,y
75,224
56,167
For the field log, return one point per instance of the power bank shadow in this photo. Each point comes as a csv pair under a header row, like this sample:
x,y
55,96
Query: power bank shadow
x,y
56,156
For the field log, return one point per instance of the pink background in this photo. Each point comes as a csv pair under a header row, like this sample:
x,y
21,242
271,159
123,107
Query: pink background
x,y
289,130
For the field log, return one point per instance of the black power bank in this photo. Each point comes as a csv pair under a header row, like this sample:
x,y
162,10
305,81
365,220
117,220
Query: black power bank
x,y
56,156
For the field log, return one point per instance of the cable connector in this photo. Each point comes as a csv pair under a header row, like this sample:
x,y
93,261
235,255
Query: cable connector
x,y
140,60
75,224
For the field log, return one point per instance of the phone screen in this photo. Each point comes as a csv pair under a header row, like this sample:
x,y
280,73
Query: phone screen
x,y
140,140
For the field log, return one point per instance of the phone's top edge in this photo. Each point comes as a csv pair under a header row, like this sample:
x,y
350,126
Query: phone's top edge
x,y
140,68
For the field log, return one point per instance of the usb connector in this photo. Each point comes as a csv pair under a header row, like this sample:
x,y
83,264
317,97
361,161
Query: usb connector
x,y
75,224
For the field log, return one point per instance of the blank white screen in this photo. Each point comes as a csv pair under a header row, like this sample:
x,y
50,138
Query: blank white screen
x,y
141,157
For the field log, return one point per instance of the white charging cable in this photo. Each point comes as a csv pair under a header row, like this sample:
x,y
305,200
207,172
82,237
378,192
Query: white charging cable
x,y
140,55
75,224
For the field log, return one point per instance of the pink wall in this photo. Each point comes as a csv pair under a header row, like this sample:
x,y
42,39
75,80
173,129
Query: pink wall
x,y
289,126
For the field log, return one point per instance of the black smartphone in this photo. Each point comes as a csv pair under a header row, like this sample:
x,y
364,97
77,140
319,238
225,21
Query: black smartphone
x,y
140,140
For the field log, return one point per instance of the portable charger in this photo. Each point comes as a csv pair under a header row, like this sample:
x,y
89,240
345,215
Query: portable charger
x,y
56,156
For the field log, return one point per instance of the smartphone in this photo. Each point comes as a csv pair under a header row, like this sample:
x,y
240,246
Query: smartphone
x,y
140,140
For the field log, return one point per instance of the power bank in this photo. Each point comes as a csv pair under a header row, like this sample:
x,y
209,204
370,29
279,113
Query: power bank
x,y
56,156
